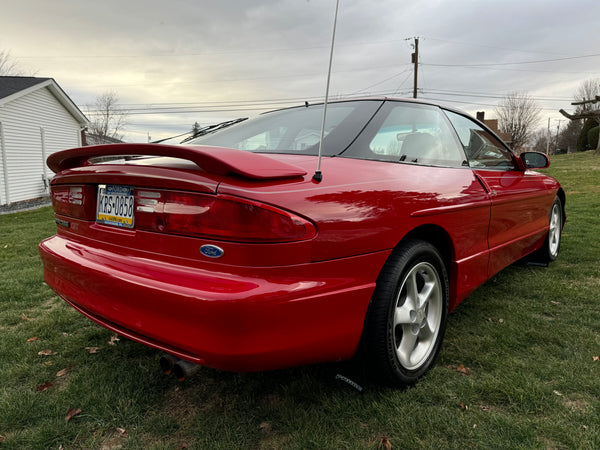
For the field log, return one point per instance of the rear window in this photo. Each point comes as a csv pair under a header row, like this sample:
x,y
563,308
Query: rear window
x,y
297,130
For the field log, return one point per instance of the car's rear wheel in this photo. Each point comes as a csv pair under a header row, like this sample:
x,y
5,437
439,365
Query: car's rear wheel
x,y
407,316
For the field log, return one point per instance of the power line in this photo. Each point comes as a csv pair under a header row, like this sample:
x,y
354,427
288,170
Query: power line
x,y
515,63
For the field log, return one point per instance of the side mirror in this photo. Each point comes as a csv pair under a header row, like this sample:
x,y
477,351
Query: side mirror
x,y
534,160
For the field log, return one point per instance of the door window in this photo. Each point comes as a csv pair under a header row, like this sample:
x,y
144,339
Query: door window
x,y
483,149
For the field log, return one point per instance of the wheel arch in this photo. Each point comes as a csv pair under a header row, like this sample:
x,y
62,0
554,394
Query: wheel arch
x,y
563,200
436,236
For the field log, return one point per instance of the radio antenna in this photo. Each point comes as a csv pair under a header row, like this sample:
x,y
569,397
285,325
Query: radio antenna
x,y
318,176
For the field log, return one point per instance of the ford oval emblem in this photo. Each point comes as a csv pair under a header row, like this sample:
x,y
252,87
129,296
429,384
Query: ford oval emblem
x,y
212,251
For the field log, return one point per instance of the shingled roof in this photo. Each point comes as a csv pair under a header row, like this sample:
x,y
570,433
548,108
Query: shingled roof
x,y
12,85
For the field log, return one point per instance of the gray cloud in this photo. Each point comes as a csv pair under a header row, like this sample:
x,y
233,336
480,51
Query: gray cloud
x,y
211,55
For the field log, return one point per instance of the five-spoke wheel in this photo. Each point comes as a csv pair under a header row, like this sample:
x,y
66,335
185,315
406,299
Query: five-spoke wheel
x,y
407,315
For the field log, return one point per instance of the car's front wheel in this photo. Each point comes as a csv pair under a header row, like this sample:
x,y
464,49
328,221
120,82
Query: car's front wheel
x,y
407,316
552,246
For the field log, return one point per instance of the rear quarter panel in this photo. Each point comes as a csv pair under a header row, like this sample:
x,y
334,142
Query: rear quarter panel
x,y
367,206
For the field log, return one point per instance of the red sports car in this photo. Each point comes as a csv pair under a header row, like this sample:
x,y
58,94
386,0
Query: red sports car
x,y
228,253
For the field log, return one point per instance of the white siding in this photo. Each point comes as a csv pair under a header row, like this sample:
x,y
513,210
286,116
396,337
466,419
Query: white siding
x,y
22,121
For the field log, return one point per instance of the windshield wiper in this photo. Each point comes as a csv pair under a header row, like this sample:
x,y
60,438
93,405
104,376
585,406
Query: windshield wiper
x,y
212,128
203,131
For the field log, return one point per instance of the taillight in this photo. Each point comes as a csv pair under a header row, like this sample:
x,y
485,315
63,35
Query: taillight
x,y
217,216
74,201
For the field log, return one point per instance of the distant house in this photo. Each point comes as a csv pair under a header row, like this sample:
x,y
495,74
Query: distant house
x,y
37,119
492,124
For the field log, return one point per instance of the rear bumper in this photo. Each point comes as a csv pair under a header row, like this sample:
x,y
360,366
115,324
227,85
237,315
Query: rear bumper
x,y
236,318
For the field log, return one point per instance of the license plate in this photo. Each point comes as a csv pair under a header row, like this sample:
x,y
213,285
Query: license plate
x,y
115,205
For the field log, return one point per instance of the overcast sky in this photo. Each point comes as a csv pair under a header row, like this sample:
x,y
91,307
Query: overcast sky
x,y
223,59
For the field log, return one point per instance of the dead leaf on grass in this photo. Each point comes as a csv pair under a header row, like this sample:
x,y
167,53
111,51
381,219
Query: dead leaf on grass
x,y
500,320
596,358
24,317
32,339
93,350
557,393
46,353
385,443
122,432
460,369
113,340
43,387
554,303
463,406
1,438
182,447
72,413
63,372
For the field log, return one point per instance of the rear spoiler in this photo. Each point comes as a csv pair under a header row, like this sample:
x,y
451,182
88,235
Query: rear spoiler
x,y
216,160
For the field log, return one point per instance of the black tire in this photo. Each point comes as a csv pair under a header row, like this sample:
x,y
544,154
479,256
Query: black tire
x,y
404,336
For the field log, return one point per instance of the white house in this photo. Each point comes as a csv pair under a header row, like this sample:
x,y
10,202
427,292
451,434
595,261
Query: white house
x,y
37,119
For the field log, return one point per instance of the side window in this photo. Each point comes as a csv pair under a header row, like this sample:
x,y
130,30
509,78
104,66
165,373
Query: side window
x,y
411,133
484,150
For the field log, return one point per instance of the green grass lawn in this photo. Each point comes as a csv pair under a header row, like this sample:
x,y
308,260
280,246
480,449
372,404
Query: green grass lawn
x,y
528,338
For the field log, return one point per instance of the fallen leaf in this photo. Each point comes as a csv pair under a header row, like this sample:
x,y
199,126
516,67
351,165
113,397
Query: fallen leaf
x,y
63,372
182,447
113,340
122,432
72,413
500,320
474,425
60,447
557,393
463,406
464,370
554,303
34,338
489,319
6,246
596,358
1,438
93,349
385,443
65,334
46,353
24,317
43,387
47,363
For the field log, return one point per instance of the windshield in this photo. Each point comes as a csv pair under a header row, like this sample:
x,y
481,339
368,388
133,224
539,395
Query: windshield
x,y
297,130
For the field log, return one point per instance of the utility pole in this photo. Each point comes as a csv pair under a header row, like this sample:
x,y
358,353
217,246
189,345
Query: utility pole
x,y
548,138
415,60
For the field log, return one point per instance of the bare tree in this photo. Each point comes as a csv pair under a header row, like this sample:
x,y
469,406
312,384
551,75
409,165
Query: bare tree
x,y
518,114
109,119
8,66
587,90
